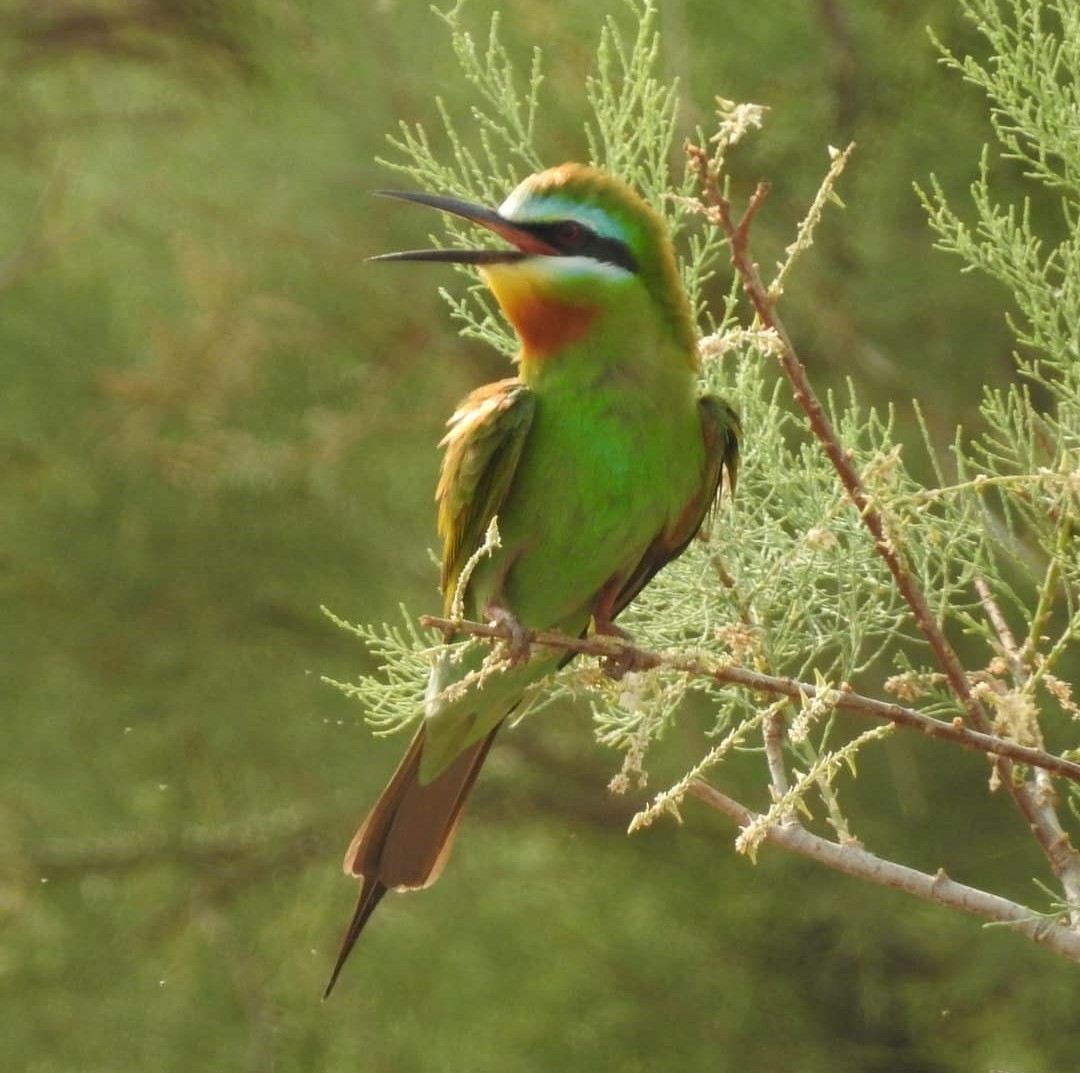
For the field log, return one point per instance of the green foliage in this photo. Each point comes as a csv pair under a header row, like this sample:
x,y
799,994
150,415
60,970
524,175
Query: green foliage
x,y
1020,475
405,655
1032,82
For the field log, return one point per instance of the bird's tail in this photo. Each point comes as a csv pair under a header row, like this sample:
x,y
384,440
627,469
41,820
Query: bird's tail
x,y
405,841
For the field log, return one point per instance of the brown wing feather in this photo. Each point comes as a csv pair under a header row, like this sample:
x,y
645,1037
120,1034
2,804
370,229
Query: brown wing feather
x,y
486,437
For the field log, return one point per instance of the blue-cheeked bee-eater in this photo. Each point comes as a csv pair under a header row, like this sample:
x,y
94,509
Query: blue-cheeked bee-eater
x,y
600,459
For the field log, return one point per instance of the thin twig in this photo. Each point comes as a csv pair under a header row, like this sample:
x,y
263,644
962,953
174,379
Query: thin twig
x,y
774,729
1006,639
852,859
732,674
773,733
1045,606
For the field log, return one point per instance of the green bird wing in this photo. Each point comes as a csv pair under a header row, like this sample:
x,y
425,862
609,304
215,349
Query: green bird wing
x,y
721,431
483,448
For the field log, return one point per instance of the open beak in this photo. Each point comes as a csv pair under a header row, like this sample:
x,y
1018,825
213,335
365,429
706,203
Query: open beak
x,y
525,242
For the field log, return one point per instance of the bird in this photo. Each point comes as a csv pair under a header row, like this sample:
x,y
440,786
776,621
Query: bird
x,y
601,459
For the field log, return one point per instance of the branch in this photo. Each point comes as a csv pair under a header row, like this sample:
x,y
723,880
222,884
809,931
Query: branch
x,y
1031,801
996,619
853,860
773,735
730,674
739,238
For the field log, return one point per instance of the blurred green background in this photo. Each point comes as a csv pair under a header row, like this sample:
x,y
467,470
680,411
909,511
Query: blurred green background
x,y
217,418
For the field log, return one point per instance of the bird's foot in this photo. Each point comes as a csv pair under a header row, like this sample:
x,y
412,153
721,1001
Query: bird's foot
x,y
619,664
516,648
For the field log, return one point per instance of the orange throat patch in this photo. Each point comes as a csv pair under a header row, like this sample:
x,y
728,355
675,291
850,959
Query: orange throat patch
x,y
544,324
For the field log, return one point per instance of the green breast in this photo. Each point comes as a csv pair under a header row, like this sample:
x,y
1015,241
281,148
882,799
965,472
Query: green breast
x,y
611,460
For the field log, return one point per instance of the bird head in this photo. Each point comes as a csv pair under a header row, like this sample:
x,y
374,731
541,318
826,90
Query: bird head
x,y
581,244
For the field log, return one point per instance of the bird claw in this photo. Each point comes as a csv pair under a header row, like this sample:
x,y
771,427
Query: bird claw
x,y
619,664
516,648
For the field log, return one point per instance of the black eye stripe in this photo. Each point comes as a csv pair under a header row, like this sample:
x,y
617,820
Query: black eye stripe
x,y
573,239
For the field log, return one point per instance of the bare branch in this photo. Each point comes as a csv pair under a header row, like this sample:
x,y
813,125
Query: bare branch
x,y
853,860
774,733
997,619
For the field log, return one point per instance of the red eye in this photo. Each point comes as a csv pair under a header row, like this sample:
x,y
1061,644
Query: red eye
x,y
570,234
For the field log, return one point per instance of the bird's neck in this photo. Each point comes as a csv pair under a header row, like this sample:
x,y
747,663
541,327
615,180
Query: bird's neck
x,y
590,346
590,321
549,327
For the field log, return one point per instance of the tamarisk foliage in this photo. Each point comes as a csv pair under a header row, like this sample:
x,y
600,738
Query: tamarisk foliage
x,y
837,580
